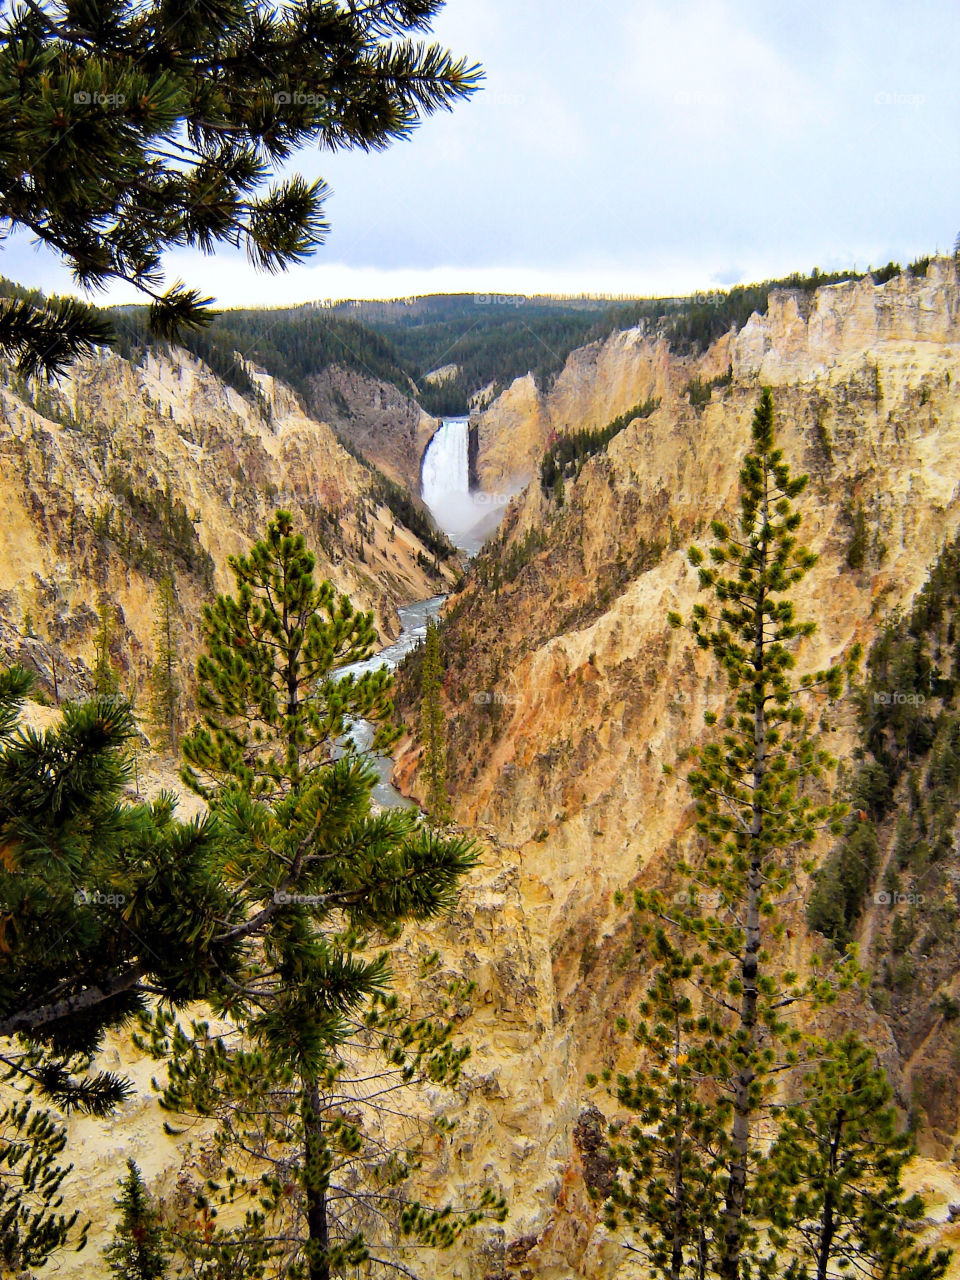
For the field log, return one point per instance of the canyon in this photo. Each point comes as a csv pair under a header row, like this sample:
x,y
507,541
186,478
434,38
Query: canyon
x,y
569,701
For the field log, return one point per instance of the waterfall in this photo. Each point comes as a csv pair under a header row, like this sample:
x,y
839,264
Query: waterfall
x,y
446,469
467,519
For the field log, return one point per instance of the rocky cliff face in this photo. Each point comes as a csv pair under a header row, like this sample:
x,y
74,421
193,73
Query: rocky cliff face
x,y
388,427
124,469
568,695
596,385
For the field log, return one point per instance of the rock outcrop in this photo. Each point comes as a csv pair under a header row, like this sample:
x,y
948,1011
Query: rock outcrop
x,y
597,384
389,428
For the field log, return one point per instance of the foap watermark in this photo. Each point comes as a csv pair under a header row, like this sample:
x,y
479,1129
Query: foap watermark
x,y
665,495
94,898
496,698
83,98
884,98
896,698
505,99
499,300
697,98
294,97
285,899
715,298
885,899
706,901
491,499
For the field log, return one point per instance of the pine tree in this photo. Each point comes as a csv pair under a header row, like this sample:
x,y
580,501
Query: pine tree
x,y
130,128
138,1251
301,836
753,786
164,673
101,902
831,1182
32,1228
272,708
99,899
318,1180
673,1154
104,905
106,679
432,732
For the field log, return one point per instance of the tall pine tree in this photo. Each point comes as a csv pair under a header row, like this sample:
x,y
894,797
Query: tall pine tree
x,y
106,678
718,1029
754,787
301,836
164,672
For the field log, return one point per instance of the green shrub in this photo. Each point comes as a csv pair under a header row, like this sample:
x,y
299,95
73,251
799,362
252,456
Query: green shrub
x,y
841,885
857,546
149,528
881,275
699,393
567,453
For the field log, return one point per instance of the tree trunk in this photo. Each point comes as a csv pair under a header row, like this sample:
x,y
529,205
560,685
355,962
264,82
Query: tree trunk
x,y
291,678
171,671
315,1183
744,1077
676,1259
826,1237
701,1253
743,1080
828,1219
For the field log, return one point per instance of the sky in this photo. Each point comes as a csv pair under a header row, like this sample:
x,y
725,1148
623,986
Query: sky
x,y
636,147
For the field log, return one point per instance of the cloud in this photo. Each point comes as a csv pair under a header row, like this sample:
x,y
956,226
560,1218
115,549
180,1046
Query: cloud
x,y
639,145
705,71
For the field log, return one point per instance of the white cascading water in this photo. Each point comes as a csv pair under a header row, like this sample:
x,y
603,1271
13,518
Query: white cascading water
x,y
467,519
446,467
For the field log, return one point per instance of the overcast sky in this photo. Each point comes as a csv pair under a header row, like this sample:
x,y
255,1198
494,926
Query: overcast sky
x,y
633,146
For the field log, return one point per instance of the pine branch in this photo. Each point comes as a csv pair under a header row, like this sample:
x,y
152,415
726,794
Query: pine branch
x,y
44,341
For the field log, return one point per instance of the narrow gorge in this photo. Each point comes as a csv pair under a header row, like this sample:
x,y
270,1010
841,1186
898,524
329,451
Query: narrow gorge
x,y
569,703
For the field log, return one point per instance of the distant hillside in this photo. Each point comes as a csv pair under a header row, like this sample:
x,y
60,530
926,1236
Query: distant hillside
x,y
491,339
292,344
494,338
485,340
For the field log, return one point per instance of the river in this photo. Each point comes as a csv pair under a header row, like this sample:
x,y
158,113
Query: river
x,y
413,622
468,519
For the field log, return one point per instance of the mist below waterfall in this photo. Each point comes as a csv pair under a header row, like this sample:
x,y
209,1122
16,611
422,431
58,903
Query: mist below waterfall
x,y
468,519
